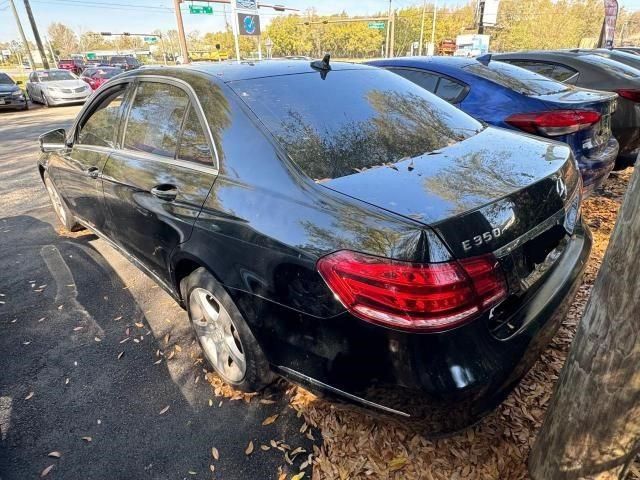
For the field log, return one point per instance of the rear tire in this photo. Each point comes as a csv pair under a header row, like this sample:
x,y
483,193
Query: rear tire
x,y
224,336
63,213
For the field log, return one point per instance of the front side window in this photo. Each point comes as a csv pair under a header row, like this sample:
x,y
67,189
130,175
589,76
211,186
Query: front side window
x,y
352,120
155,119
100,128
194,146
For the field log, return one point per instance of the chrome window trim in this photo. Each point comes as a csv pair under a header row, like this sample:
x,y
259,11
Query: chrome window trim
x,y
166,160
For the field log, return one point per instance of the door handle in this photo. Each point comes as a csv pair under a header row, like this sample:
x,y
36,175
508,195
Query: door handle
x,y
165,192
93,172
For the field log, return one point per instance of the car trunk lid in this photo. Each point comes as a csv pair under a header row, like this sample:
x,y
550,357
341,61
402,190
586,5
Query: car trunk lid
x,y
496,192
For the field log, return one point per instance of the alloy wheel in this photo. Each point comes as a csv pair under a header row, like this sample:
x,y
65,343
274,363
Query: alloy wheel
x,y
218,336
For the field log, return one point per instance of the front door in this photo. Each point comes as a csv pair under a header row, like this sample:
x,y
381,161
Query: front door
x,y
155,184
81,166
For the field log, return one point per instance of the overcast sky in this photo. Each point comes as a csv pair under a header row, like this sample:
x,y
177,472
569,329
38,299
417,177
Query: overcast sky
x,y
143,16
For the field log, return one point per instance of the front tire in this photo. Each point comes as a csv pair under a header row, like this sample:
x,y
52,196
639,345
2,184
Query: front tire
x,y
63,213
223,334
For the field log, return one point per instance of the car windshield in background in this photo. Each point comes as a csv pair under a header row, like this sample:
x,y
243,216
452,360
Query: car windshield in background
x,y
353,120
516,78
5,79
611,65
118,60
55,75
106,73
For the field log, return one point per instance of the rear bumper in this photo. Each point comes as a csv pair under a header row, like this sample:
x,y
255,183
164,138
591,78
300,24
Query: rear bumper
x,y
596,168
438,383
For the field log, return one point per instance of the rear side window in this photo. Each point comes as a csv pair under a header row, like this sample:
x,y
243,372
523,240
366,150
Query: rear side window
x,y
449,90
352,119
428,81
445,88
515,78
155,119
99,128
194,146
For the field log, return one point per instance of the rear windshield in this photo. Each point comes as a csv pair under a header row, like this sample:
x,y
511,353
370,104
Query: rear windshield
x,y
519,79
611,65
5,79
353,119
55,75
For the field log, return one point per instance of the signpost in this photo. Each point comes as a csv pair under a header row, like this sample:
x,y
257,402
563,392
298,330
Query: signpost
x,y
249,24
200,9
376,25
150,39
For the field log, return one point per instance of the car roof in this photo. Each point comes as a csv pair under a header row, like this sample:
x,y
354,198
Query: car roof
x,y
230,71
435,61
52,70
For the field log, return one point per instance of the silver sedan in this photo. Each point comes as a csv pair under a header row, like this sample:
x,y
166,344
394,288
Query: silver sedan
x,y
57,87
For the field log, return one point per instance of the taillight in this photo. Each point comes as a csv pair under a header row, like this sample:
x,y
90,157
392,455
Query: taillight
x,y
629,94
428,297
554,122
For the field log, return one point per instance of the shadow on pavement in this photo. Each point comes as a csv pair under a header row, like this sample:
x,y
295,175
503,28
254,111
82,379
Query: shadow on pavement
x,y
65,318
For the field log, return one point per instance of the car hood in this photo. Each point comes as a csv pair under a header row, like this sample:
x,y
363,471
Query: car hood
x,y
496,179
65,84
8,88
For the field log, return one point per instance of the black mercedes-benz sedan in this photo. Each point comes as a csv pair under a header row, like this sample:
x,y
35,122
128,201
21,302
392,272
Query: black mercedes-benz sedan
x,y
334,224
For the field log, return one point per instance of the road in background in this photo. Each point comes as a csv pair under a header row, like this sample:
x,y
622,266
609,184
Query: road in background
x,y
81,331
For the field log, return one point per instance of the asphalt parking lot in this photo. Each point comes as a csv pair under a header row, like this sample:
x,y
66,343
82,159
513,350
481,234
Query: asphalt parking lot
x,y
93,353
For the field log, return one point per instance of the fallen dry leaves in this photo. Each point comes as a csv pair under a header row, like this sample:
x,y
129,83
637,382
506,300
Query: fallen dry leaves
x,y
356,446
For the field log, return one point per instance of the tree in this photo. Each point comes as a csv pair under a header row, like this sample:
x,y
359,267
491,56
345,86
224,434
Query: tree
x,y
63,39
592,427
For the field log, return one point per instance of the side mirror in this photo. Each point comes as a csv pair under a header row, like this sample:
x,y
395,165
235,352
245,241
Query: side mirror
x,y
19,82
53,140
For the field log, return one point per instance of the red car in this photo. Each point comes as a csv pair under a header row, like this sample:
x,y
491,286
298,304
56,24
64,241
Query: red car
x,y
95,77
74,65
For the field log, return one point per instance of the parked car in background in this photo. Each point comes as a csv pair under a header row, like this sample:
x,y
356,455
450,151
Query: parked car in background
x,y
56,87
589,70
124,62
95,77
511,97
344,228
627,58
74,65
11,95
633,50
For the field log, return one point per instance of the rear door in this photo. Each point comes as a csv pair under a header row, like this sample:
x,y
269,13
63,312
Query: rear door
x,y
156,183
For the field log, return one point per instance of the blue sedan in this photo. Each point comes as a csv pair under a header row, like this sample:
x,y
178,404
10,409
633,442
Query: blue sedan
x,y
512,97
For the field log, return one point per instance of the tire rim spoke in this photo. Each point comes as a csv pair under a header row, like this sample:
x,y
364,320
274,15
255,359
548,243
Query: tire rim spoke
x,y
218,335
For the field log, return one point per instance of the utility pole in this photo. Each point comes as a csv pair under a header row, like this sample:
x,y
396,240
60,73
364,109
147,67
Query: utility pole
x,y
181,38
592,427
481,17
393,33
53,54
32,64
424,10
36,35
386,43
433,27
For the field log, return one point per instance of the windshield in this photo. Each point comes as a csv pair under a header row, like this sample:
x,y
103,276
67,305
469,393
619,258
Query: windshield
x,y
353,119
5,79
118,60
519,79
55,75
107,73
